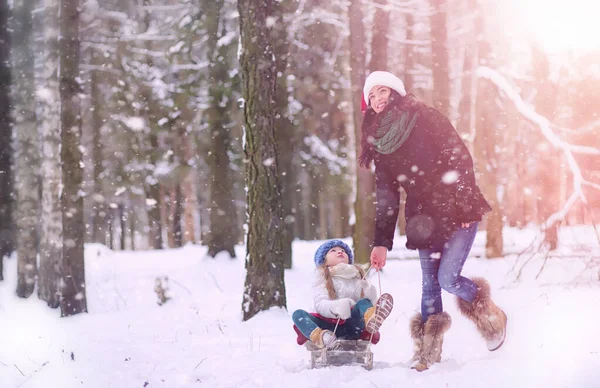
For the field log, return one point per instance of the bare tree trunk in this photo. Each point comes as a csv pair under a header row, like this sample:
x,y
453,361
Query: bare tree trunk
x,y
284,132
27,155
223,226
264,286
485,144
123,225
465,109
6,149
51,244
111,228
177,208
548,178
73,269
167,210
153,187
99,213
188,191
408,84
364,226
439,52
379,41
132,222
409,53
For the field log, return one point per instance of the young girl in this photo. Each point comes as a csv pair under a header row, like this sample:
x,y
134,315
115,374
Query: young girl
x,y
341,293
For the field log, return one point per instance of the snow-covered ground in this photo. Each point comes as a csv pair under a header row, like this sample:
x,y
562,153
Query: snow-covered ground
x,y
197,339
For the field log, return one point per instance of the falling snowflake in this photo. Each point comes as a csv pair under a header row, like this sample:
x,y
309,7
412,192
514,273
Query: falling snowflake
x,y
450,177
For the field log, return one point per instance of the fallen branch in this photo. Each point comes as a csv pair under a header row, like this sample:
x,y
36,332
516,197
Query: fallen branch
x,y
32,373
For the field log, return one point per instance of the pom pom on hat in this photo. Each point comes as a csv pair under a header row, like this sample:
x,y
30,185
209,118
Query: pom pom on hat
x,y
383,78
325,247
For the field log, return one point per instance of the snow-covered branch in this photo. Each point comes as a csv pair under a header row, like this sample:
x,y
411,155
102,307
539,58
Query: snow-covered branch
x,y
528,111
321,151
86,67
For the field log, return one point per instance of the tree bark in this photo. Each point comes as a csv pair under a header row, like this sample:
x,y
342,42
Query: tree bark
x,y
222,235
51,244
485,144
364,210
379,40
439,52
465,109
177,205
99,212
409,53
152,187
27,155
73,269
188,191
6,148
264,286
285,133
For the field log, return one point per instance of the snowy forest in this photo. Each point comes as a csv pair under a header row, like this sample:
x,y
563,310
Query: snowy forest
x,y
198,151
146,125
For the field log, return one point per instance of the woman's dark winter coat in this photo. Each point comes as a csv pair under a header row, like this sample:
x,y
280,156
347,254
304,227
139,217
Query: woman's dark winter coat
x,y
435,169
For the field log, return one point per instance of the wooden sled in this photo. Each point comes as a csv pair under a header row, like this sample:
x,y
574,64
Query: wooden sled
x,y
346,352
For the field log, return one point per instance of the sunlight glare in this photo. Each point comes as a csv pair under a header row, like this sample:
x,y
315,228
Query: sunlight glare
x,y
562,25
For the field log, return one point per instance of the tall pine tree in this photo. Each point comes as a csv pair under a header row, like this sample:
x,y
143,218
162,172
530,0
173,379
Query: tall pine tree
x,y
264,286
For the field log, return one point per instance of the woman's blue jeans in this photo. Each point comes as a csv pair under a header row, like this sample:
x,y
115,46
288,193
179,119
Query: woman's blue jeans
x,y
351,329
442,265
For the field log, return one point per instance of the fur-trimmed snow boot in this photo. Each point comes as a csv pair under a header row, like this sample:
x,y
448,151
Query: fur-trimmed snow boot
x,y
428,338
417,326
487,316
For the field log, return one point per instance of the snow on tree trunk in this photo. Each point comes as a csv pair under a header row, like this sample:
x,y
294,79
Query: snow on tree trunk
x,y
264,286
27,151
51,243
73,299
222,235
364,210
439,52
6,150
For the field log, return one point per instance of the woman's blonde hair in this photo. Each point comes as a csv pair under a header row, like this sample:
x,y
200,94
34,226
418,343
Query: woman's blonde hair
x,y
328,279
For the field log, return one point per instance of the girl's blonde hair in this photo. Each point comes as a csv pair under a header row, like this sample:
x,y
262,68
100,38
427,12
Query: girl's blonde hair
x,y
328,279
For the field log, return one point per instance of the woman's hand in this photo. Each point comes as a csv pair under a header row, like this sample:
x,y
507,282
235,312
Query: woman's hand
x,y
378,257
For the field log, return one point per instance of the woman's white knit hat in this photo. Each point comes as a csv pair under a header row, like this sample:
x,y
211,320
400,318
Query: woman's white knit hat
x,y
385,79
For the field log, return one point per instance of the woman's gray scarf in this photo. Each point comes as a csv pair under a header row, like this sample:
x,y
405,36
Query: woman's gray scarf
x,y
393,130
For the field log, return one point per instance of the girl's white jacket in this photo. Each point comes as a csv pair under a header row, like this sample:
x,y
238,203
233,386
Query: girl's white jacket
x,y
348,287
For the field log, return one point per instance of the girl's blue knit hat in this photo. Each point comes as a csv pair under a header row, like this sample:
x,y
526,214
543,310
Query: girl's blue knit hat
x,y
325,247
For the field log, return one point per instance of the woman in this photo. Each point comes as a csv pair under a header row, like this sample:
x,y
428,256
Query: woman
x,y
416,147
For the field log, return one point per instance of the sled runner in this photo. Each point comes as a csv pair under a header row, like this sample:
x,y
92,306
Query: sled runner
x,y
344,352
